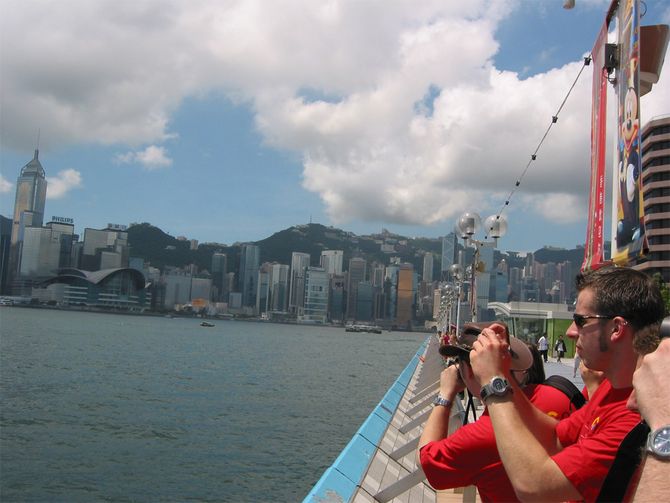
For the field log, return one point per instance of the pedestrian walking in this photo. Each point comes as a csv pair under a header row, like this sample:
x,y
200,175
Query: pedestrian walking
x,y
559,347
575,368
543,347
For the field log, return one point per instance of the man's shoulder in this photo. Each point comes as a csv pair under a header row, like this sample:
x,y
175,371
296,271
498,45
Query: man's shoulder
x,y
550,400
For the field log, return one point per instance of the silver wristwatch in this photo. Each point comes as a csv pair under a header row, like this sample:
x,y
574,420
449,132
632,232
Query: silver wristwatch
x,y
439,400
658,443
498,387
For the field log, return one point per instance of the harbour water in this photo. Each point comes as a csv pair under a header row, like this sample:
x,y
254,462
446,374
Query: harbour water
x,y
99,407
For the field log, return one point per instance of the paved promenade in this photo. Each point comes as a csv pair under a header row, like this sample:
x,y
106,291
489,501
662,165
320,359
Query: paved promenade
x,y
379,465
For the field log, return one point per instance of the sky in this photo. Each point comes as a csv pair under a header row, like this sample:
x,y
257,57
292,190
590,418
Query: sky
x,y
229,120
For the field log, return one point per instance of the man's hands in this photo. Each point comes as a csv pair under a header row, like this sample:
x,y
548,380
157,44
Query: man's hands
x,y
450,382
490,354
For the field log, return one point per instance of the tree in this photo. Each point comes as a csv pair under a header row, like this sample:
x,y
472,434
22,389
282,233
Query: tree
x,y
665,291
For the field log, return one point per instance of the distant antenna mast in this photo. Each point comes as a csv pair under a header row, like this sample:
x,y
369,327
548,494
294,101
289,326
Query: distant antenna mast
x,y
38,138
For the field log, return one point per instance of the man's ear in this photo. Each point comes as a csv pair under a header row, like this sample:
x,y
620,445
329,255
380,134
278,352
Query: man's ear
x,y
619,329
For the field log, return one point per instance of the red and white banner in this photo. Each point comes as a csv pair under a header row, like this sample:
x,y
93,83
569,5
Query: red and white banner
x,y
594,249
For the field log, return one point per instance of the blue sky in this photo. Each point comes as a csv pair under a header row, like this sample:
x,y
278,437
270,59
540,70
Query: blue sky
x,y
227,121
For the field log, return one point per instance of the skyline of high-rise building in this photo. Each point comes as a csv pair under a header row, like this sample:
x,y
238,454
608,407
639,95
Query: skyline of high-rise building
x,y
332,261
250,259
31,194
300,261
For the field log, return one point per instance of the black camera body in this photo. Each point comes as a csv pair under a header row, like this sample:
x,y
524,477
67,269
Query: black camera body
x,y
665,327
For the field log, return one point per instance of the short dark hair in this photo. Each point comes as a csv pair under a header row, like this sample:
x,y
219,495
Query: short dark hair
x,y
536,373
626,292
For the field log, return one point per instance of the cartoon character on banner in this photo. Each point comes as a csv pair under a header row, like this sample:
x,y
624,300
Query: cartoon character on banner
x,y
628,225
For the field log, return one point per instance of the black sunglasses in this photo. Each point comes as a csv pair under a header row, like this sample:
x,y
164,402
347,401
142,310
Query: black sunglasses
x,y
580,319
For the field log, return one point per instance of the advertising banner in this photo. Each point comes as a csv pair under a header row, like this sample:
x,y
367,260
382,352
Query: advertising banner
x,y
594,249
630,239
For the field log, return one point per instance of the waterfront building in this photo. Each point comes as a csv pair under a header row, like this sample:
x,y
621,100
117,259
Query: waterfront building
x,y
104,248
5,247
219,270
177,288
250,259
31,194
279,288
406,295
656,189
515,283
530,290
391,291
498,291
299,263
364,301
377,275
201,291
483,281
235,301
315,305
46,249
29,202
336,298
357,272
332,260
263,291
449,251
121,288
427,275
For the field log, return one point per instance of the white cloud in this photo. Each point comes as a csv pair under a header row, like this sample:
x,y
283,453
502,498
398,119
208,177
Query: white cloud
x,y
152,157
5,185
116,71
66,180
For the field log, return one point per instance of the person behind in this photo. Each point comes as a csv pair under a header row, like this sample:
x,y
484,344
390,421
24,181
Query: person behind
x,y
563,460
559,347
468,456
652,398
576,365
543,347
591,379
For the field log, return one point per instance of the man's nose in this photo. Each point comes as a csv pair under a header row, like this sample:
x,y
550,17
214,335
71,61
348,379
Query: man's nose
x,y
572,331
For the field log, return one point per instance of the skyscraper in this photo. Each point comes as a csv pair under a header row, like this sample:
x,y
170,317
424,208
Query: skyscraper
x,y
299,263
31,194
250,259
219,271
406,293
428,267
356,274
449,247
655,173
331,261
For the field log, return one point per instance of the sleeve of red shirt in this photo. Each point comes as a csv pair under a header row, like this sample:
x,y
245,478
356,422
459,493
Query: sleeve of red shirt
x,y
586,461
454,461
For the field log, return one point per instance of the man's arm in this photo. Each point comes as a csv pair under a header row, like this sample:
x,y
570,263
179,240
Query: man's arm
x,y
437,426
526,438
652,398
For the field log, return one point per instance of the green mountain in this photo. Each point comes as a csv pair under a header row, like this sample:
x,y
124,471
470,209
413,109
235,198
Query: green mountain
x,y
160,249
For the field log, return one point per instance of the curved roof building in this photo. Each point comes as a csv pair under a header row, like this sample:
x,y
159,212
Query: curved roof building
x,y
122,287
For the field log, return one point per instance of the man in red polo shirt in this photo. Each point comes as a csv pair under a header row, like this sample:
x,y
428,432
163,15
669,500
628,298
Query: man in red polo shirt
x,y
550,460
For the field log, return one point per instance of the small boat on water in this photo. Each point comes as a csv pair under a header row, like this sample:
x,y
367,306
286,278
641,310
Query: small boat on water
x,y
358,327
206,324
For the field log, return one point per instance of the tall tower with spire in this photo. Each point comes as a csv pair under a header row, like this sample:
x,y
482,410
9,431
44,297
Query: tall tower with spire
x,y
31,194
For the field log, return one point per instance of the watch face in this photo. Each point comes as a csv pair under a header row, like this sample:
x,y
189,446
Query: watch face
x,y
661,441
499,385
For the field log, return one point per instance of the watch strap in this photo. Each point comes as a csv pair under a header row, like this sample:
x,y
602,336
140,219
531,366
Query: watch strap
x,y
440,400
659,451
